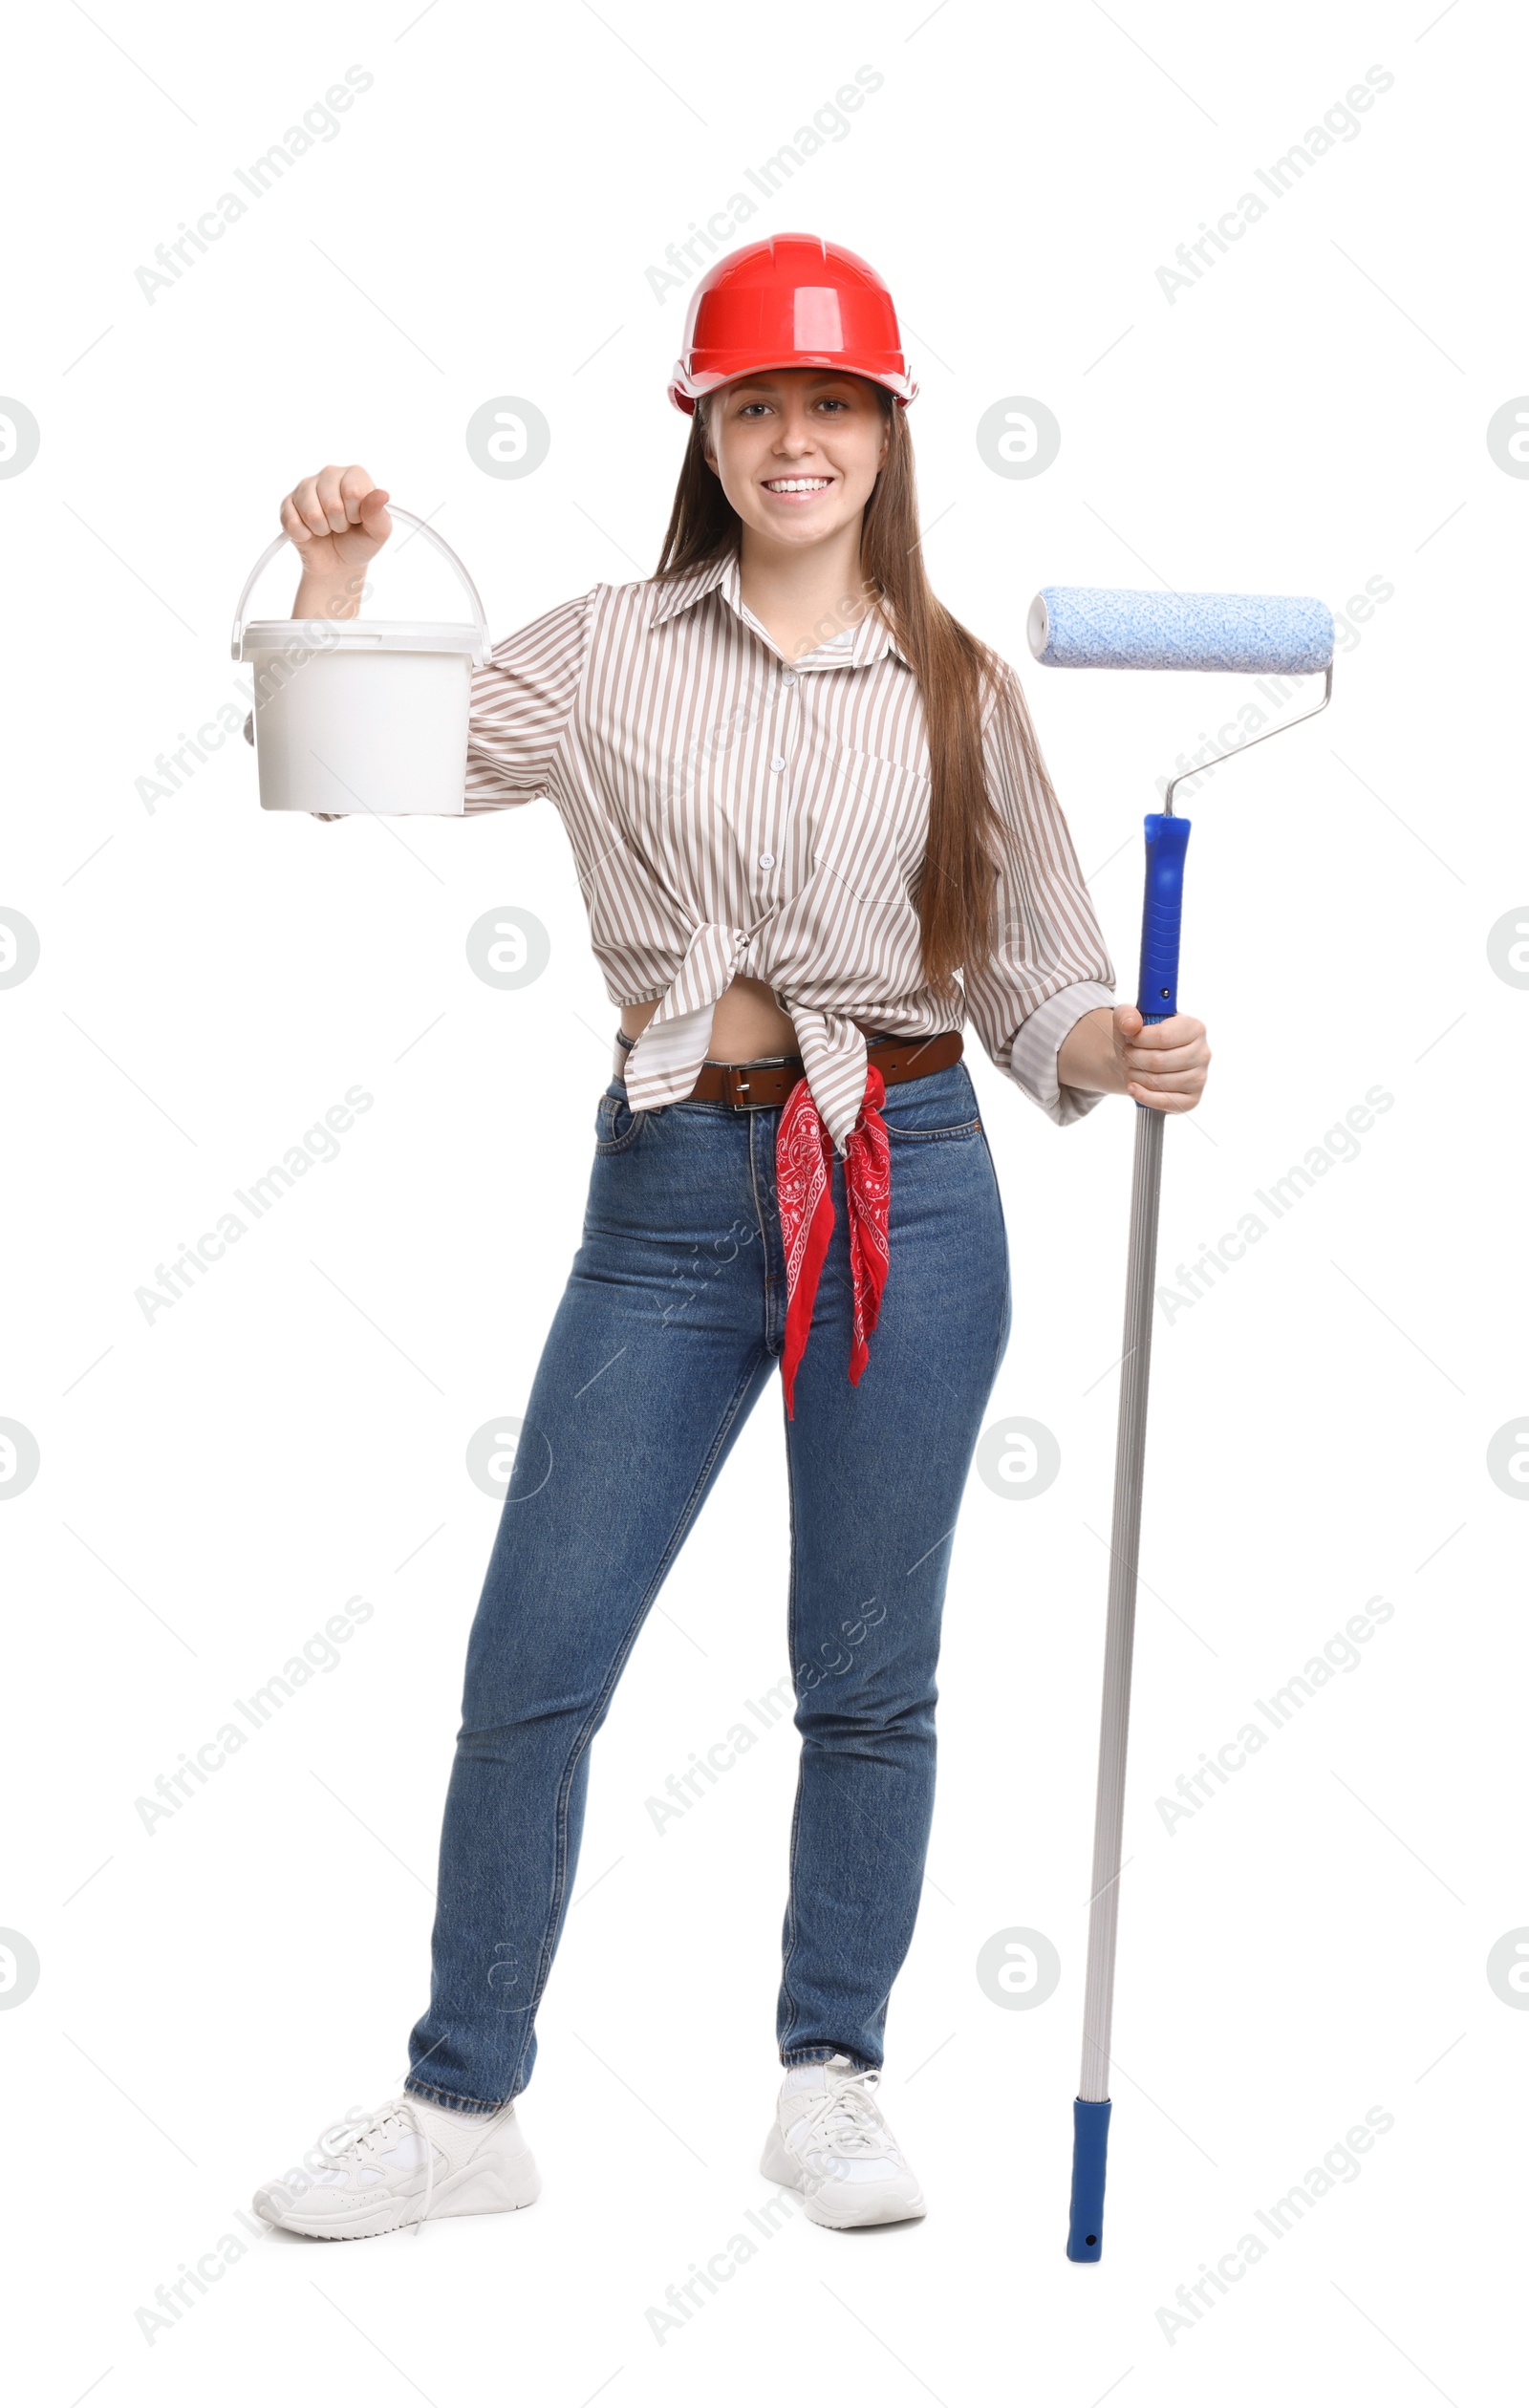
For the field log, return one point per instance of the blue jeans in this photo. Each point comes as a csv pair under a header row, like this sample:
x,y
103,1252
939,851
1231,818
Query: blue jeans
x,y
668,1332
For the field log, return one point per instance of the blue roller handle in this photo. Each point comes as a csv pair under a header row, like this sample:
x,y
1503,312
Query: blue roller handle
x,y
1090,2133
1162,903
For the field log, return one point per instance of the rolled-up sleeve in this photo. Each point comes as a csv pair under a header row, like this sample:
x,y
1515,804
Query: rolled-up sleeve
x,y
1049,963
522,701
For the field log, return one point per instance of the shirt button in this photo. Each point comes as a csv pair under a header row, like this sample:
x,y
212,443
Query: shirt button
x,y
779,762
766,861
788,677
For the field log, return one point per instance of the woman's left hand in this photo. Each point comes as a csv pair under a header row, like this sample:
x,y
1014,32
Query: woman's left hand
x,y
1162,1066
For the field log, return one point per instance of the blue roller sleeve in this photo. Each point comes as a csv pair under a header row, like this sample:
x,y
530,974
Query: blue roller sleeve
x,y
1090,2135
1162,903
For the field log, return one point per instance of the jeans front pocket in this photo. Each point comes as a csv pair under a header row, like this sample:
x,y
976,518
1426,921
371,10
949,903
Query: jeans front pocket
x,y
616,1125
941,1109
964,1132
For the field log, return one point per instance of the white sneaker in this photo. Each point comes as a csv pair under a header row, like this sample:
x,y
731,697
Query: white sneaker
x,y
831,2141
409,2162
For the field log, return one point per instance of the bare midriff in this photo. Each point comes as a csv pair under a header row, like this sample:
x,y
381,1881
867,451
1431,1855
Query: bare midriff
x,y
747,1024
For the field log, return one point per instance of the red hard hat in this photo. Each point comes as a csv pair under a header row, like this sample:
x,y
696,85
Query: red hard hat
x,y
791,301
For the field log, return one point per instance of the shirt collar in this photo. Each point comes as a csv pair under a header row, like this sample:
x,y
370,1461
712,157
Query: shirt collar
x,y
855,646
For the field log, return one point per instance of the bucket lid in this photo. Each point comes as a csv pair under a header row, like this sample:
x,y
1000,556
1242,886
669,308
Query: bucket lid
x,y
307,638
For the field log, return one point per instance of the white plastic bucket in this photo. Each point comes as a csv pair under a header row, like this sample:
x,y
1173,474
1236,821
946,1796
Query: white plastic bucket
x,y
361,715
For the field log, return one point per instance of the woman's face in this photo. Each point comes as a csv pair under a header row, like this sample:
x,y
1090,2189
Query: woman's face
x,y
797,449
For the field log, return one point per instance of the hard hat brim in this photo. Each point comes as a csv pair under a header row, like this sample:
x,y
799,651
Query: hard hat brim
x,y
686,387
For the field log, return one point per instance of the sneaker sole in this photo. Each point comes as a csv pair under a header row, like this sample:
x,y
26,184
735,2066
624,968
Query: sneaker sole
x,y
484,2191
777,2165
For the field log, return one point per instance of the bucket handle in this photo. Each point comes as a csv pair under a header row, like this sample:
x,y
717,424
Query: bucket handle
x,y
481,648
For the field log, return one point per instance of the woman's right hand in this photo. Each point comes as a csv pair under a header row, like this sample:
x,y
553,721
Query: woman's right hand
x,y
337,521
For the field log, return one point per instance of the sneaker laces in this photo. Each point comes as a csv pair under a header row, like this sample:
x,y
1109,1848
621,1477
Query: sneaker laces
x,y
380,2131
843,2118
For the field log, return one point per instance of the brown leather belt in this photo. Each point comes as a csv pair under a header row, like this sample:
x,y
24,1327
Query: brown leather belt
x,y
753,1086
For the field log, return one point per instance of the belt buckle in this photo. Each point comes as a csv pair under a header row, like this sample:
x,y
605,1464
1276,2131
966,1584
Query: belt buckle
x,y
736,1079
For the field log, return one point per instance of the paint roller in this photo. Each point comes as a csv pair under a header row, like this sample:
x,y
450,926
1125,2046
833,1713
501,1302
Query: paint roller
x,y
1099,627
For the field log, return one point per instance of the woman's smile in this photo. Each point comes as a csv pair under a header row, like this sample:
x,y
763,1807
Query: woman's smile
x,y
796,490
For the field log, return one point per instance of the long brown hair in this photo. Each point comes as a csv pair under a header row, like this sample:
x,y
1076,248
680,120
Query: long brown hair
x,y
955,672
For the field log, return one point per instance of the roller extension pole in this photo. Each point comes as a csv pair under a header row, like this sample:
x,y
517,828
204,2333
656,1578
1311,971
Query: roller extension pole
x,y
1157,999
1109,627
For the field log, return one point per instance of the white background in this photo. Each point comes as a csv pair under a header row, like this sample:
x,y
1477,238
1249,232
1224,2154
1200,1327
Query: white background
x,y
1310,415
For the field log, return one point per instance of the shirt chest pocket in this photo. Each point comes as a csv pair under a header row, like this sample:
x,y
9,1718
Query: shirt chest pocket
x,y
870,830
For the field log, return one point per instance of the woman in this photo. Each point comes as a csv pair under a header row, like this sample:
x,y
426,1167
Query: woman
x,y
802,798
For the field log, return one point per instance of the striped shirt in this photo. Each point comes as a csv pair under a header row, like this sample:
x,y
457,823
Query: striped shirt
x,y
736,813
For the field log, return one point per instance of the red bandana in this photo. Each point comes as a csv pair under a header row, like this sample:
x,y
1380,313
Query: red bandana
x,y
804,1167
